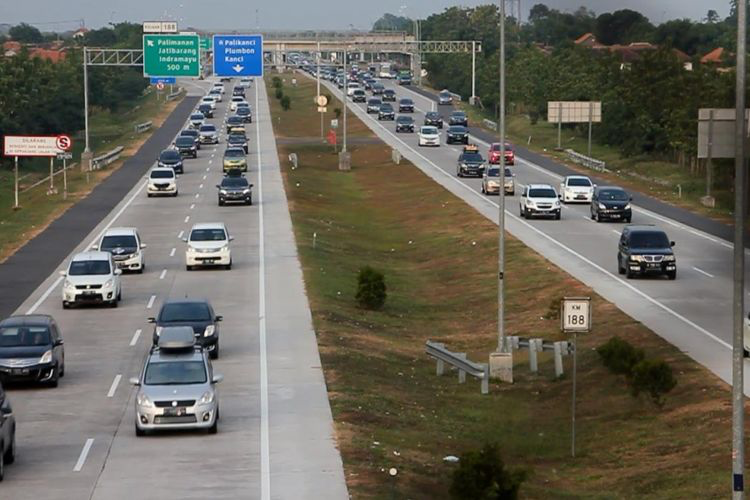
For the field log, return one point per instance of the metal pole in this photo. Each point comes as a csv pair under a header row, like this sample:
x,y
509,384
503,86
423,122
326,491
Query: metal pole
x,y
87,149
559,126
65,180
740,133
573,404
51,174
501,347
591,119
318,91
346,90
473,71
709,164
15,183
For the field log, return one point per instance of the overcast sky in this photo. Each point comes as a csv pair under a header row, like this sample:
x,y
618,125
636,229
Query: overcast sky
x,y
298,14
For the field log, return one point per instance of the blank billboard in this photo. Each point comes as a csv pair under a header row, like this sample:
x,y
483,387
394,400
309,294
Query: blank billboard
x,y
574,111
722,132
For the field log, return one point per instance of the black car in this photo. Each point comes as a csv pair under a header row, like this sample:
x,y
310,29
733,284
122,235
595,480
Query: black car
x,y
458,118
191,132
186,146
238,91
457,134
404,123
237,141
171,158
433,118
235,189
406,105
359,95
386,112
611,203
378,88
389,95
206,109
235,121
373,105
470,163
7,433
31,349
645,250
368,83
197,314
245,113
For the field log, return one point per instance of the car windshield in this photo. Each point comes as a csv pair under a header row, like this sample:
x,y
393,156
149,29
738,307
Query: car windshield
x,y
189,133
405,119
445,94
432,115
161,174
175,373
124,241
458,114
185,141
242,110
234,153
406,101
389,92
472,157
377,86
208,235
169,155
375,102
496,147
579,181
234,182
236,139
649,239
234,119
613,195
542,193
197,116
386,107
495,172
88,267
23,336
237,99
457,130
429,130
208,128
184,311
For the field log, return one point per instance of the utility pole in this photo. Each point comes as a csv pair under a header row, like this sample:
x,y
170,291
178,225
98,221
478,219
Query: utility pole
x,y
86,156
317,94
346,91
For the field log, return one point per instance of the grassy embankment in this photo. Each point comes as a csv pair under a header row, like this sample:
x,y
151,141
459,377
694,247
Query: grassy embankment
x,y
439,258
38,210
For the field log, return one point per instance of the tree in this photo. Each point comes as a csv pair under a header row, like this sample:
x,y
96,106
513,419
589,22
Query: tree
x,y
482,475
25,33
622,26
390,22
712,16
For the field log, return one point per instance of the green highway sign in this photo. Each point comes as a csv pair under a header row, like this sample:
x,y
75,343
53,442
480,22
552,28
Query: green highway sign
x,y
206,43
171,55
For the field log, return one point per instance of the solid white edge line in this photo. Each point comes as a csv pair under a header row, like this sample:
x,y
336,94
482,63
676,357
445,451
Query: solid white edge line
x,y
704,273
136,335
151,302
83,455
114,385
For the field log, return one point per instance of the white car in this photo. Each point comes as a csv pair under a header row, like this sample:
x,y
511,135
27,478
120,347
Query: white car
x,y
210,100
351,87
217,94
126,247
245,83
196,120
208,245
541,200
576,188
236,102
91,278
219,86
162,181
429,136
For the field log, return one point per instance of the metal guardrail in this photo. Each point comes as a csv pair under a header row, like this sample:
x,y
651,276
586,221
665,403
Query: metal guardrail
x,y
490,124
560,349
586,161
459,361
456,97
172,97
143,127
107,158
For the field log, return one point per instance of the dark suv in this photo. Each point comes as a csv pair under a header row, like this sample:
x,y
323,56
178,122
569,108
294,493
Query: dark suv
x,y
197,314
31,349
611,203
645,249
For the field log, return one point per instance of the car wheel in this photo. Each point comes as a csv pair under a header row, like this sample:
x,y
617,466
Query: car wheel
x,y
188,268
250,200
628,273
214,428
175,194
620,269
521,212
2,465
221,203
113,303
228,266
54,381
149,195
66,305
596,217
558,215
10,455
62,368
119,295
215,353
672,275
627,220
483,191
139,432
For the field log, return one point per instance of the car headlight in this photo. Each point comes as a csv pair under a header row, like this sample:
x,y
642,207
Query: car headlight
x,y
109,283
159,329
627,207
68,284
223,191
637,258
557,204
144,401
602,206
210,329
669,258
191,249
529,203
46,357
225,248
207,398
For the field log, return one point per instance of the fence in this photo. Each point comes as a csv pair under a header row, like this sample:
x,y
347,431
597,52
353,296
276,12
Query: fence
x,y
143,127
172,97
459,361
586,161
490,124
535,346
106,159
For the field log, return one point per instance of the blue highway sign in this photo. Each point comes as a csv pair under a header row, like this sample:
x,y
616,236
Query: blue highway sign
x,y
166,80
238,55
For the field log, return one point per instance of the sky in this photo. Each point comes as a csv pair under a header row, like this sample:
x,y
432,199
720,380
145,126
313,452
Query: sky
x,y
50,15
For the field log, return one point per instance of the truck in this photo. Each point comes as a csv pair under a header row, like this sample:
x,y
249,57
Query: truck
x,y
385,70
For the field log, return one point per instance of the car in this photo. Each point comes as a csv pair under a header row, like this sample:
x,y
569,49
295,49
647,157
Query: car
x,y
351,87
445,98
218,86
91,278
209,134
245,83
368,83
208,245
359,95
491,181
31,350
373,105
235,101
470,162
197,119
456,134
191,132
238,91
644,250
176,388
161,181
433,118
216,94
245,113
389,95
206,110
378,88
170,158
235,121
185,145
406,105
126,247
539,199
429,136
198,314
235,158
386,112
209,100
235,189
237,141
404,123
403,79
576,188
458,118
611,203
7,433
494,154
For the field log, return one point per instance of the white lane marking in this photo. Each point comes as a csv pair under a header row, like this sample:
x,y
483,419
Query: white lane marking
x,y
197,195
704,273
618,233
265,468
135,337
171,253
163,273
210,162
187,218
151,302
208,169
44,296
180,235
192,206
114,385
205,177
83,455
199,187
587,218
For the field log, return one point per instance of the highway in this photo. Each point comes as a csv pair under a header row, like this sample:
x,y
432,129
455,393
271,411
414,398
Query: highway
x,y
275,438
693,312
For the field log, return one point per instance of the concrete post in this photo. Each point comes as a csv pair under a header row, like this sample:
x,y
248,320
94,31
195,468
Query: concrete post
x,y
486,380
558,358
533,360
440,367
461,373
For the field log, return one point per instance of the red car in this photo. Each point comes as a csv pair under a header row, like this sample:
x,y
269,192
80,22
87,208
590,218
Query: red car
x,y
494,154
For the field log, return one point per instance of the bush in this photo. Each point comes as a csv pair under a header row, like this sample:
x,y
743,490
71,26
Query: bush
x,y
619,356
286,103
276,82
481,475
337,112
279,94
654,377
371,288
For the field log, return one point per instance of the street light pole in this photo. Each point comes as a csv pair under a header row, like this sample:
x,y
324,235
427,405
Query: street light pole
x,y
346,90
317,94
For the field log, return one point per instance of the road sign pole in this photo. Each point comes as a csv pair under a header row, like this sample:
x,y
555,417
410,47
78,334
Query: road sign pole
x,y
573,399
709,164
591,120
51,174
501,347
559,126
15,183
346,90
318,91
86,99
65,180
473,71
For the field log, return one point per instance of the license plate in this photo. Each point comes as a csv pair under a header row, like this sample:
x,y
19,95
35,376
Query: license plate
x,y
654,266
174,412
209,261
88,293
615,216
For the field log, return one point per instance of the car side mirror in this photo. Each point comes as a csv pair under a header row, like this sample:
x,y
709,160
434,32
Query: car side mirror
x,y
94,247
630,199
559,196
218,377
251,185
151,320
218,186
231,238
118,272
6,410
219,317
63,273
135,381
671,243
59,342
184,239
143,245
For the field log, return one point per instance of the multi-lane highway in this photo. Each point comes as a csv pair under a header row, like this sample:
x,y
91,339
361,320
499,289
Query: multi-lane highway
x,y
275,436
693,312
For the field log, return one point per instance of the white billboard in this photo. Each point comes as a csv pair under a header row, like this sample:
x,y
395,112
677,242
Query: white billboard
x,y
574,111
33,145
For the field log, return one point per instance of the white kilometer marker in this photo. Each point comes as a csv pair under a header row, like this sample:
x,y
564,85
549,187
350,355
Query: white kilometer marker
x,y
703,272
151,302
192,206
208,169
187,219
171,253
113,387
210,162
163,273
84,454
134,340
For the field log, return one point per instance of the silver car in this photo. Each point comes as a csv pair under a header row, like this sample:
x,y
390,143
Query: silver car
x,y
177,386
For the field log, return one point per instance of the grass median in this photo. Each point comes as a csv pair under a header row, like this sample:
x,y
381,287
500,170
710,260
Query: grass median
x,y
439,258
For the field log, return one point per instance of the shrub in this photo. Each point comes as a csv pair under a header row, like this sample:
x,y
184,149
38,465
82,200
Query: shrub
x,y
371,288
276,82
482,475
279,93
337,112
286,103
653,376
619,356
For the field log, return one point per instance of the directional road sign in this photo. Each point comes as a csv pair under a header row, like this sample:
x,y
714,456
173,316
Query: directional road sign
x,y
206,44
164,80
238,55
171,55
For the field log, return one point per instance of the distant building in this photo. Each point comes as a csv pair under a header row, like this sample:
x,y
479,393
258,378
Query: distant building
x,y
80,33
628,53
716,56
588,40
53,51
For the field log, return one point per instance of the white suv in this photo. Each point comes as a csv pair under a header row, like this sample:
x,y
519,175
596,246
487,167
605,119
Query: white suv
x,y
208,245
162,181
126,247
539,199
91,278
576,188
351,87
